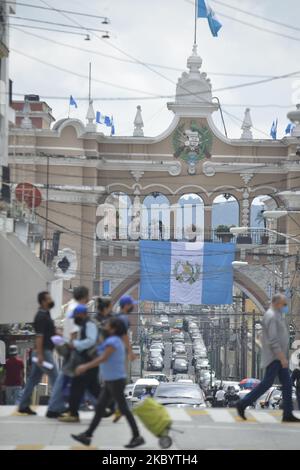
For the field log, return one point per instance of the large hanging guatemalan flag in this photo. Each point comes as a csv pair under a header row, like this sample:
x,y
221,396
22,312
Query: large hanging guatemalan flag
x,y
196,273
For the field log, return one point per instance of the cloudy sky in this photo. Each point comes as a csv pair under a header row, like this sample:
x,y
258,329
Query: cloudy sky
x,y
159,32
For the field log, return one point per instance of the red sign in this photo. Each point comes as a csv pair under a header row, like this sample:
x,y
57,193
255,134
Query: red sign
x,y
26,192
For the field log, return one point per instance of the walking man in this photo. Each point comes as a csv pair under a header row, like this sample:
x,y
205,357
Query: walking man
x,y
57,405
275,343
14,376
44,329
85,347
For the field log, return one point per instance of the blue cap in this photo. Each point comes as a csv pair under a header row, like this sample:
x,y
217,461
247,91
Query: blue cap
x,y
79,309
126,300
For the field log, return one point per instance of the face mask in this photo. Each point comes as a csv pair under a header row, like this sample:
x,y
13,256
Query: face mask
x,y
51,305
130,310
284,309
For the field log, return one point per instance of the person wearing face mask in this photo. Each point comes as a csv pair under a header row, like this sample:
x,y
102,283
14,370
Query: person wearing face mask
x,y
126,307
111,358
275,344
85,347
44,329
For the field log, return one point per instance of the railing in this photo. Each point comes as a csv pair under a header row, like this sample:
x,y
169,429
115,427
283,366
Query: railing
x,y
253,237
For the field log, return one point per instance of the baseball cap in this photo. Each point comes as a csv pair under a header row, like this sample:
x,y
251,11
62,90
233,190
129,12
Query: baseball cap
x,y
126,300
79,309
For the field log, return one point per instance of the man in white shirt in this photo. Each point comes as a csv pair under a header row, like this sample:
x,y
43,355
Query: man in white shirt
x,y
56,406
220,395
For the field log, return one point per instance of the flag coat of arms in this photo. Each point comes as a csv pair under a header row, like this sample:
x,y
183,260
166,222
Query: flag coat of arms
x,y
196,273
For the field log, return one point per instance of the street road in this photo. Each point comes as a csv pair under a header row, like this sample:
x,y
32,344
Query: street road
x,y
201,429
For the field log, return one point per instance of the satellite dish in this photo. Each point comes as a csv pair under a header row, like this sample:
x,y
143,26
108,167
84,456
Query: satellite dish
x,y
295,360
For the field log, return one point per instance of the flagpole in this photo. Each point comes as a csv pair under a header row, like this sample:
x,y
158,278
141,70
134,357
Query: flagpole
x,y
90,82
195,26
69,108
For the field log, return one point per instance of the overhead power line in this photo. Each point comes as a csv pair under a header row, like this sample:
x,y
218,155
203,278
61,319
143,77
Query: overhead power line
x,y
255,15
64,25
129,61
70,12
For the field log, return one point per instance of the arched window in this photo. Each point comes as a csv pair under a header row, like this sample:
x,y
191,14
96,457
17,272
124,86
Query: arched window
x,y
257,220
118,221
225,211
258,206
155,222
189,218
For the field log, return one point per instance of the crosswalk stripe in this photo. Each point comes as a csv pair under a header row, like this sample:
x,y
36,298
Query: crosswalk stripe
x,y
220,416
179,414
262,417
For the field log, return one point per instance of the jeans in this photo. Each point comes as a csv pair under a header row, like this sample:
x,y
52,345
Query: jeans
x,y
12,394
113,389
85,382
57,400
35,377
272,371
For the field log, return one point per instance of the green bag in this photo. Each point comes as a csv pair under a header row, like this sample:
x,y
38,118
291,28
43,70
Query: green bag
x,y
154,416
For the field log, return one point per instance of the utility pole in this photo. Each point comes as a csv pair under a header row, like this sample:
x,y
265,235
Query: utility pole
x,y
253,367
47,210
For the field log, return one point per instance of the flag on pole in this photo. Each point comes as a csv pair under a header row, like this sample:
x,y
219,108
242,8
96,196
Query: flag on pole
x,y
289,128
72,102
202,9
102,119
205,11
112,132
273,131
196,273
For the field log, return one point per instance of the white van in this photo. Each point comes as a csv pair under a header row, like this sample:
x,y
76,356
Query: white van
x,y
142,385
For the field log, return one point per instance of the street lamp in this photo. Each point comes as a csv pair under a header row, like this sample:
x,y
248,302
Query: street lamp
x,y
278,213
237,264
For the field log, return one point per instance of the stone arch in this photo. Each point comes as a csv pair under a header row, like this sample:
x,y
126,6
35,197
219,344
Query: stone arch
x,y
155,217
253,291
62,124
225,210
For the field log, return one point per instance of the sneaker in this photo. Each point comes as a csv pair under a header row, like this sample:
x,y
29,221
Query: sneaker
x,y
135,442
241,411
83,438
27,411
290,419
53,414
68,418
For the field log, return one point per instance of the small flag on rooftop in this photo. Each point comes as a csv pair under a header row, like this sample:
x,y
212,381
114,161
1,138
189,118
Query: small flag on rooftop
x,y
273,131
72,102
289,128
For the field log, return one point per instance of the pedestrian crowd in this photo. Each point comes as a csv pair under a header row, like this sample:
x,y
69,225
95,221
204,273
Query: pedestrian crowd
x,y
95,354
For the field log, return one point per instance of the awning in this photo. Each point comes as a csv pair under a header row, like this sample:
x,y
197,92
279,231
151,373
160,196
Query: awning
x,y
22,276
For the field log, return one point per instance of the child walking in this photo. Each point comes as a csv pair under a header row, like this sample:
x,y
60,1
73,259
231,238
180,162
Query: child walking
x,y
112,366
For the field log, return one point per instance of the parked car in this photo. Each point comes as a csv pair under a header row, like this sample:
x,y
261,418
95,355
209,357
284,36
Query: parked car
x,y
180,365
156,364
180,395
179,348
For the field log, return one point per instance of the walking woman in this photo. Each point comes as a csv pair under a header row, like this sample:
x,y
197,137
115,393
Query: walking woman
x,y
112,366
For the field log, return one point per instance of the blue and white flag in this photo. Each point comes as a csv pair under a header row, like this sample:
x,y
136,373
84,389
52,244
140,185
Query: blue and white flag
x,y
72,102
273,131
102,119
205,11
112,132
202,9
289,128
196,273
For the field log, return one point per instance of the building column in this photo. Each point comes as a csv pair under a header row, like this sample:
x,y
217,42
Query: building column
x,y
208,223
